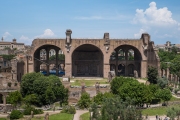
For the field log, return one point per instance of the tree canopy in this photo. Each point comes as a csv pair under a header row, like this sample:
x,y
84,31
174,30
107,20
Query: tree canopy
x,y
46,89
152,75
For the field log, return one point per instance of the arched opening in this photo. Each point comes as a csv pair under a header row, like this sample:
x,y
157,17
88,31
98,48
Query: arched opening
x,y
121,54
52,52
122,57
20,70
131,69
47,59
121,70
87,61
1,98
130,54
113,55
42,54
112,67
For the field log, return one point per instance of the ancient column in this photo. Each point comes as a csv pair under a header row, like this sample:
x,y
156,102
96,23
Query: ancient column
x,y
163,72
4,99
167,75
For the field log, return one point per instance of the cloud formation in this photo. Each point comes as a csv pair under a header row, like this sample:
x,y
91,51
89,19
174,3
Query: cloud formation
x,y
25,40
6,35
47,33
138,35
154,16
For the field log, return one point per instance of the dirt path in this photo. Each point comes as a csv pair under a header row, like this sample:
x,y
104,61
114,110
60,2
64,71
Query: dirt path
x,y
79,113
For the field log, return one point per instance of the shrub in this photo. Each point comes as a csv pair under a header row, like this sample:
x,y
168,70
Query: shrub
x,y
68,109
28,109
84,101
16,114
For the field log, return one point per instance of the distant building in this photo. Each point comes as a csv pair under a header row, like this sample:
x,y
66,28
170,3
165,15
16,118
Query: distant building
x,y
11,45
168,46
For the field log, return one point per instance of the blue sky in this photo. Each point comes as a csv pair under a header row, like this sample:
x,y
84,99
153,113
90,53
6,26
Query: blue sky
x,y
26,20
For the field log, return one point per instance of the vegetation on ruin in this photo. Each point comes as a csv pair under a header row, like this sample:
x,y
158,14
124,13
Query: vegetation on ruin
x,y
8,57
45,90
14,98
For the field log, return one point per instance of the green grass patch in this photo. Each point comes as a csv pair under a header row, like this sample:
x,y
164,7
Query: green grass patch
x,y
59,116
3,119
174,99
88,82
85,116
154,111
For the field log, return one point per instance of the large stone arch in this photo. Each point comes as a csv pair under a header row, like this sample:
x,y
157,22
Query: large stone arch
x,y
126,62
87,60
47,61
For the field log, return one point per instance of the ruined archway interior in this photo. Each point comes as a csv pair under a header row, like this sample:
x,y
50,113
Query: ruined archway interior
x,y
20,70
87,61
1,98
126,61
49,59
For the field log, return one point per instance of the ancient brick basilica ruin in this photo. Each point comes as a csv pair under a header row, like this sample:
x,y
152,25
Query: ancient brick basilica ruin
x,y
90,57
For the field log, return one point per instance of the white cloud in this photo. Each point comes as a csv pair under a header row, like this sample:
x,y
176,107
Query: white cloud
x,y
47,33
25,40
138,35
6,34
154,16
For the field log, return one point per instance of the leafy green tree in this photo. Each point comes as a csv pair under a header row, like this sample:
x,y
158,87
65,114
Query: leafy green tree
x,y
175,65
166,57
94,109
118,82
163,94
115,108
47,89
173,112
84,101
27,83
14,98
162,82
140,93
30,99
50,97
152,74
98,99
